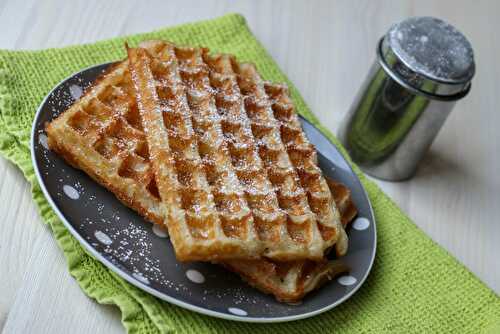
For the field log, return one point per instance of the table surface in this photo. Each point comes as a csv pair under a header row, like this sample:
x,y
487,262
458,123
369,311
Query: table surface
x,y
326,48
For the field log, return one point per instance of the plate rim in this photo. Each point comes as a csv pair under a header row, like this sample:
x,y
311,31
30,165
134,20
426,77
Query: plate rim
x,y
163,296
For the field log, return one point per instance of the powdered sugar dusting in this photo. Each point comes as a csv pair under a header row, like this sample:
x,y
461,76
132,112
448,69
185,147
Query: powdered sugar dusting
x,y
128,245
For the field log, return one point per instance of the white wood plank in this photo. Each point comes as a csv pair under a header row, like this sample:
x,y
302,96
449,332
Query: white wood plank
x,y
14,17
326,48
20,226
48,299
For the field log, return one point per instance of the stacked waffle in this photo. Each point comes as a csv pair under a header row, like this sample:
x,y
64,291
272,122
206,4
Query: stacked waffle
x,y
202,145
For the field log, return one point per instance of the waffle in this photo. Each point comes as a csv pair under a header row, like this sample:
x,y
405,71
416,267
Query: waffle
x,y
295,221
291,281
232,182
289,158
251,194
206,212
103,135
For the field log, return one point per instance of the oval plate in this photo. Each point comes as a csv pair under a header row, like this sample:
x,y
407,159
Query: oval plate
x,y
142,255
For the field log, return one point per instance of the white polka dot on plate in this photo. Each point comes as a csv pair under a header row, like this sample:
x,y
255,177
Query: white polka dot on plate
x,y
42,139
361,223
160,231
103,238
140,278
71,192
75,91
237,311
347,280
195,276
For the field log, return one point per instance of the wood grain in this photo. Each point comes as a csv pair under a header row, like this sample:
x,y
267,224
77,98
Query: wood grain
x,y
326,48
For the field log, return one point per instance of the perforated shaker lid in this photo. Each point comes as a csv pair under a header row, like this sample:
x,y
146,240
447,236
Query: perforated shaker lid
x,y
428,54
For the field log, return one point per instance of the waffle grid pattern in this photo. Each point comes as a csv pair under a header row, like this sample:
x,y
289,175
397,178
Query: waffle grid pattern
x,y
103,136
206,212
227,154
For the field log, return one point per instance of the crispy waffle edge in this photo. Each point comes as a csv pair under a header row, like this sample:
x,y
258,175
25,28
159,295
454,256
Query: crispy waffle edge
x,y
54,145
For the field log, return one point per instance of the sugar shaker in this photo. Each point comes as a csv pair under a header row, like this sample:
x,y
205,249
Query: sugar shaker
x,y
423,66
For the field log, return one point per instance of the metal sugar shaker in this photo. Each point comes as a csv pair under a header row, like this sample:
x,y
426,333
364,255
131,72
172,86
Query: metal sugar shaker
x,y
424,65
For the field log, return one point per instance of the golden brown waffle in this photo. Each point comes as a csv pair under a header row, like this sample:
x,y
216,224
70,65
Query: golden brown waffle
x,y
304,158
289,158
102,135
211,147
231,178
291,281
205,211
295,223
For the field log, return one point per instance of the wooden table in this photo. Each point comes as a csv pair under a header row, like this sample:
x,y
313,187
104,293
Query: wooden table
x,y
326,48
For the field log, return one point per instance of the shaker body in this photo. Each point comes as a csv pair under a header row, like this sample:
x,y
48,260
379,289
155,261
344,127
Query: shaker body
x,y
389,128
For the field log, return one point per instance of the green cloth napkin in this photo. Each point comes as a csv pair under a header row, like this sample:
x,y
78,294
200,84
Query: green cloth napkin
x,y
415,286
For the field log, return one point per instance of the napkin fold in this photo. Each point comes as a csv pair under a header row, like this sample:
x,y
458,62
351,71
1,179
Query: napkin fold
x,y
415,286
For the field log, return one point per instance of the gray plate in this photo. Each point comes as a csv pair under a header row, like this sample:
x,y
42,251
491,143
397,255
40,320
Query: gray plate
x,y
142,255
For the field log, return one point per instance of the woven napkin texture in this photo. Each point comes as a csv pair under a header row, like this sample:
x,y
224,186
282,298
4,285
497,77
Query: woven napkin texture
x,y
415,285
